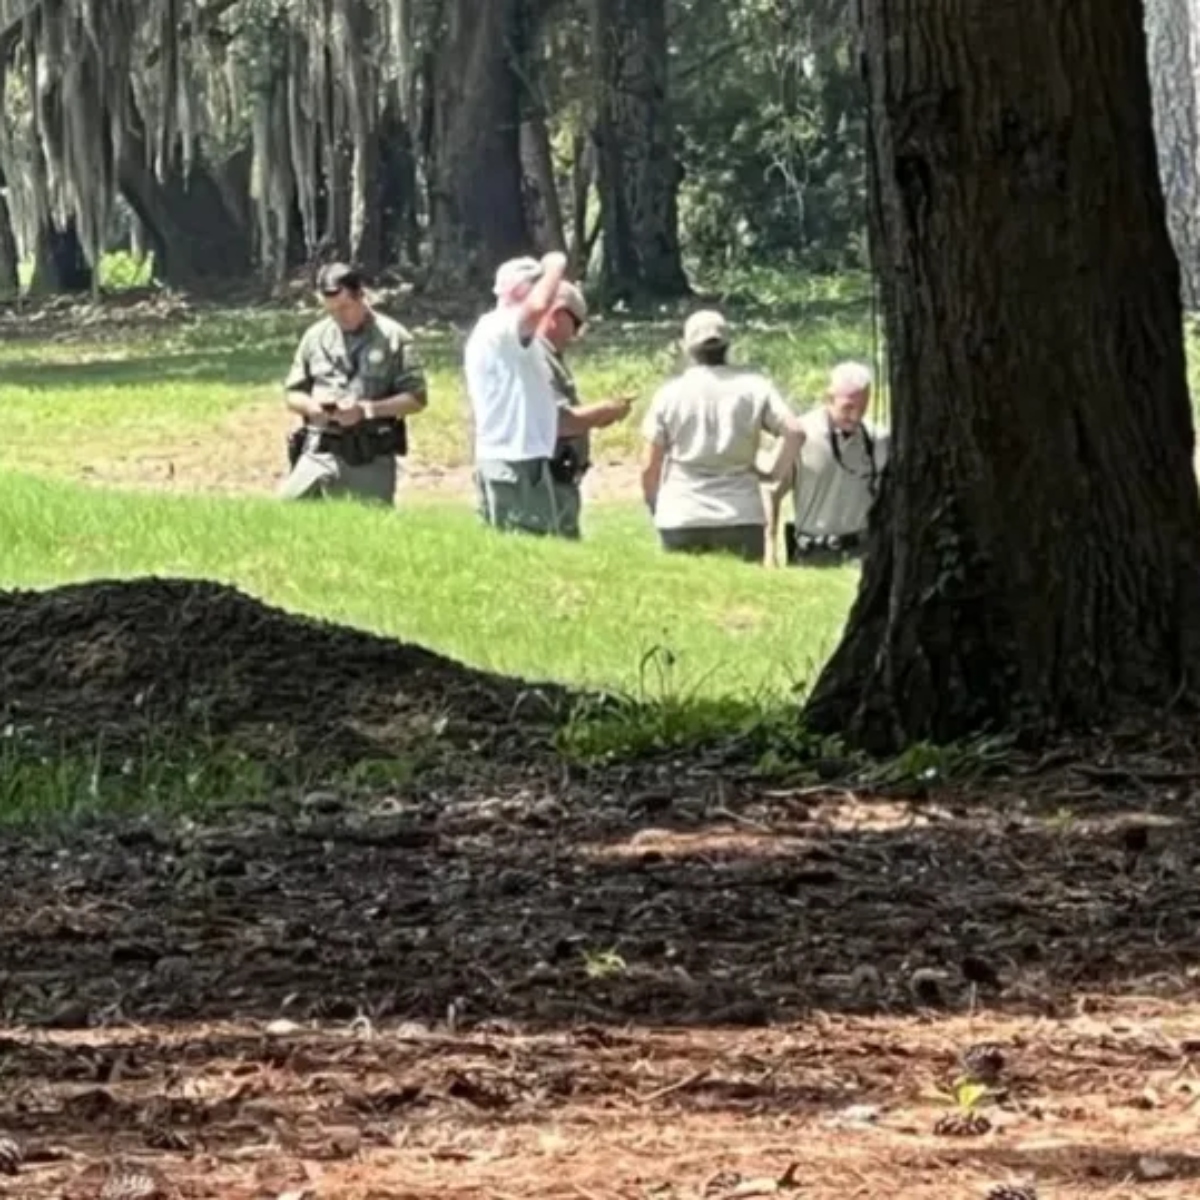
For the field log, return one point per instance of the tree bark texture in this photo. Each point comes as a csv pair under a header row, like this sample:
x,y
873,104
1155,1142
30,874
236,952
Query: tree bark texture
x,y
198,242
477,211
1173,34
9,256
60,264
1034,561
638,173
543,211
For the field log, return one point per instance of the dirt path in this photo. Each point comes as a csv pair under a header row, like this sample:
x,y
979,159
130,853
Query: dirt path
x,y
244,456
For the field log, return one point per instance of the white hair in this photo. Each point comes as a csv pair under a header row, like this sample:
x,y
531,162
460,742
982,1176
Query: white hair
x,y
849,378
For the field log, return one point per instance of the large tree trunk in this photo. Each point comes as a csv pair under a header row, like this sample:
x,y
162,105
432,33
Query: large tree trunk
x,y
477,214
60,265
199,242
638,171
1034,563
9,256
1173,33
543,211
399,217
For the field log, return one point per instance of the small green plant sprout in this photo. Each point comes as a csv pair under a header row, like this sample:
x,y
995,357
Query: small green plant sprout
x,y
603,964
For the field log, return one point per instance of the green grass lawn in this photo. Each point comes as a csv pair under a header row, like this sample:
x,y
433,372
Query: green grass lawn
x,y
612,613
83,393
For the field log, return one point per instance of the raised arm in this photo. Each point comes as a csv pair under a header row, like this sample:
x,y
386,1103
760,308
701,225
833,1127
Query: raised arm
x,y
541,298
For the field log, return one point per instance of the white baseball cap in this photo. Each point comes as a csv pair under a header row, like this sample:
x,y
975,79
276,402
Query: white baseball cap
x,y
515,274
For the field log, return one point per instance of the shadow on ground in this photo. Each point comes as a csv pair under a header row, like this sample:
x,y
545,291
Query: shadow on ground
x,y
451,958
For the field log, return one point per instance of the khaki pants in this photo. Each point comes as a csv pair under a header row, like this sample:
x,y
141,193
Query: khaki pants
x,y
319,475
517,496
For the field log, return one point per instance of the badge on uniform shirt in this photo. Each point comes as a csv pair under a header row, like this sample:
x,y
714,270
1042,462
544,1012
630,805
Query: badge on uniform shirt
x,y
375,357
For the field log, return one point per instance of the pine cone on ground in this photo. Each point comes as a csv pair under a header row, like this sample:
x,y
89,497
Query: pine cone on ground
x,y
1009,1191
11,1156
128,1184
962,1124
984,1062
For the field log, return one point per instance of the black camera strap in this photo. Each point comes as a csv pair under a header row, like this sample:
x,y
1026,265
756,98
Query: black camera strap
x,y
835,445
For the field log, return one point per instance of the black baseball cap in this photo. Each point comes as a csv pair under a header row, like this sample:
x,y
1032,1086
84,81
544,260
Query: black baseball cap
x,y
335,277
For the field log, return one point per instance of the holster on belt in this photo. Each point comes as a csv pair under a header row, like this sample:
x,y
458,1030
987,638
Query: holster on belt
x,y
362,444
565,466
803,547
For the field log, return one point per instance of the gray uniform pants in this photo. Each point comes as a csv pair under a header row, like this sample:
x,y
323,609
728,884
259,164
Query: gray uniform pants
x,y
747,542
517,496
319,474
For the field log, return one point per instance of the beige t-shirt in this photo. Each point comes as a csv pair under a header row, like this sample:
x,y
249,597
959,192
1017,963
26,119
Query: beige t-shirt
x,y
710,422
833,498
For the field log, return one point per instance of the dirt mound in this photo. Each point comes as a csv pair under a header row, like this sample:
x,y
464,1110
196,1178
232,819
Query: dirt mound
x,y
117,662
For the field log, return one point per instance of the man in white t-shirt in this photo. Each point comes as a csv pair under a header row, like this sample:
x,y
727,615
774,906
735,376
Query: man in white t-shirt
x,y
514,407
836,478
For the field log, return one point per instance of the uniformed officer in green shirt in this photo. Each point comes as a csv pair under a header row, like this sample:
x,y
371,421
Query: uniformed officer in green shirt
x,y
559,328
355,380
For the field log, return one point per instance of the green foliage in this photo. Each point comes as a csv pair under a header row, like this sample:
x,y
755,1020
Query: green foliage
x,y
771,117
42,782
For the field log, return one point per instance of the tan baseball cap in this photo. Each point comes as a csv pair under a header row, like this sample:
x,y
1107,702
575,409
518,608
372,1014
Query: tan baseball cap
x,y
705,328
571,299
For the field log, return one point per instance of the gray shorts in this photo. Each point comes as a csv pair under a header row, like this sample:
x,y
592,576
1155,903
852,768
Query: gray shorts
x,y
747,542
517,496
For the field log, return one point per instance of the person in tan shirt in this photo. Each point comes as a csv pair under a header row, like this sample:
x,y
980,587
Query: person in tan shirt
x,y
703,433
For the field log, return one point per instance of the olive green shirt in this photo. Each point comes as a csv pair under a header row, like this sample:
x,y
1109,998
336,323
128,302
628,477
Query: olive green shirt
x,y
373,363
567,392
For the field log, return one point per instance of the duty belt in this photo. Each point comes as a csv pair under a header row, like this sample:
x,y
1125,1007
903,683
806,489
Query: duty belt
x,y
826,547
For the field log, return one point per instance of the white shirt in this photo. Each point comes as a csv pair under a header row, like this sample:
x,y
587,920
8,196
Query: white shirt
x,y
512,396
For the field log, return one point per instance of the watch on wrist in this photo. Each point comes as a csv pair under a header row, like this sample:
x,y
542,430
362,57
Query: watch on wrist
x,y
368,410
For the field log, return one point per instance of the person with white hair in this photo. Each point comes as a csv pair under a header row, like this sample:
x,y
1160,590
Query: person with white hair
x,y
514,408
836,477
703,433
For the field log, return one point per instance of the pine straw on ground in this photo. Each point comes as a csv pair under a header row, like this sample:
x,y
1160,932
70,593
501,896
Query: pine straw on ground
x,y
1102,1105
660,984
583,989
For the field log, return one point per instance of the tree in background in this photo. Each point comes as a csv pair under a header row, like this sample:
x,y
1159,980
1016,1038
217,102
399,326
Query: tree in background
x,y
638,172
255,137
1035,561
1173,34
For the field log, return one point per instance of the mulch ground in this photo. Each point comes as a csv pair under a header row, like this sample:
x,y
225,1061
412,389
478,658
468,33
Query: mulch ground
x,y
663,984
131,663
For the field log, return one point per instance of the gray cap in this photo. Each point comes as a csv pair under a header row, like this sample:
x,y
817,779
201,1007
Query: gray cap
x,y
572,300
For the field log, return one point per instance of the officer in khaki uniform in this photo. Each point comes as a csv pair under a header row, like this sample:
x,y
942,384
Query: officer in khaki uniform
x,y
355,379
700,472
561,326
